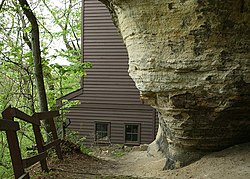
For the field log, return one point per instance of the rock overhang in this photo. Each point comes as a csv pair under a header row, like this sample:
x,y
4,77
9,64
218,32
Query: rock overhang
x,y
191,61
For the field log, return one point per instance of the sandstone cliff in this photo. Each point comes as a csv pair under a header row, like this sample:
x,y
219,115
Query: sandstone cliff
x,y
190,59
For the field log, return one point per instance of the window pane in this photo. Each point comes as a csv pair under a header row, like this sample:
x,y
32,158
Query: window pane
x,y
134,137
128,128
102,131
102,136
131,133
134,128
101,127
127,137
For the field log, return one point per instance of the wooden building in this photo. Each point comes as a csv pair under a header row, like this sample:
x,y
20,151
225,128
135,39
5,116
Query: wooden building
x,y
110,110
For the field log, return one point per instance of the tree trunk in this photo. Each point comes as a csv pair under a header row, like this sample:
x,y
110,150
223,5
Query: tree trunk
x,y
191,61
36,58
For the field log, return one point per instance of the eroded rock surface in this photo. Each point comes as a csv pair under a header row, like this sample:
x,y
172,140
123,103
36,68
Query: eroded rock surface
x,y
191,61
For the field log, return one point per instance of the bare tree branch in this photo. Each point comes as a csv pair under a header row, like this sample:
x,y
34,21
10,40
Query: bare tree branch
x,y
1,5
25,34
63,27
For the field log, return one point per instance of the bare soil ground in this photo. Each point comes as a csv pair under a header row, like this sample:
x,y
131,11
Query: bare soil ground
x,y
231,163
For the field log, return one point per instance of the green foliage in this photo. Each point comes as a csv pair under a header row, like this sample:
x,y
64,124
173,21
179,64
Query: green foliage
x,y
65,77
118,152
73,137
5,162
68,104
117,177
17,85
26,140
85,149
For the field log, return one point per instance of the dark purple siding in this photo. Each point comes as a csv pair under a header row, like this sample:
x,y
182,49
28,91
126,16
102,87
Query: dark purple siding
x,y
109,94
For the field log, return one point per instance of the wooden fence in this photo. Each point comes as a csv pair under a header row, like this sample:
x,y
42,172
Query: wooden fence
x,y
7,124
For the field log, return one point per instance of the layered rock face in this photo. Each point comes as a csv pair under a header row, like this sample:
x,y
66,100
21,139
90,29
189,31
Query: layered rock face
x,y
190,59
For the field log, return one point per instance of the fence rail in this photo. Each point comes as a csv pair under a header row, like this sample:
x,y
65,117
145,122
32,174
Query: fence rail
x,y
8,125
11,127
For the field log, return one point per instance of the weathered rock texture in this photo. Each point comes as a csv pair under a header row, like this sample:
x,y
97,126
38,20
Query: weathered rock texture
x,y
191,61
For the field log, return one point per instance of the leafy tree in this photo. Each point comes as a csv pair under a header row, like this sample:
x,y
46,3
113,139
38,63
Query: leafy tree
x,y
18,86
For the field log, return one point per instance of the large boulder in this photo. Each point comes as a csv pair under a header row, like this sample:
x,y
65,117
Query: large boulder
x,y
190,59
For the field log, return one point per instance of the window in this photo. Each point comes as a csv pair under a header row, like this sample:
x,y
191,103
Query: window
x,y
102,132
132,133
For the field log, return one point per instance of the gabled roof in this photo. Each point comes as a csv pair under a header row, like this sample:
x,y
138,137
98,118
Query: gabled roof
x,y
69,96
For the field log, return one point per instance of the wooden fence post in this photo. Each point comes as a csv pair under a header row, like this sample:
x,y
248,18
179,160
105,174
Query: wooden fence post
x,y
13,143
40,144
49,116
55,137
11,127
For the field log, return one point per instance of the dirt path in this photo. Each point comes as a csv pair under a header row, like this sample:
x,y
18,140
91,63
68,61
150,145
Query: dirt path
x,y
232,163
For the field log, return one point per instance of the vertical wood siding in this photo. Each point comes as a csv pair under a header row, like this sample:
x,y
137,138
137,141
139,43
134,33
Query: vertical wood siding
x,y
109,93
